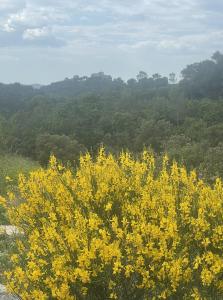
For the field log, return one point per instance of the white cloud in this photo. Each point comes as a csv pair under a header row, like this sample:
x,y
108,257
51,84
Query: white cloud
x,y
34,16
111,22
6,27
31,34
126,30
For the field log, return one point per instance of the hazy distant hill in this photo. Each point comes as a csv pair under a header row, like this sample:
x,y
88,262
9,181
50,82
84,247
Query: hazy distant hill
x,y
13,96
37,86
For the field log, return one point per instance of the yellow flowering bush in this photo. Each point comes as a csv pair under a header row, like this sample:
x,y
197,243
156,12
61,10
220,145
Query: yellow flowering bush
x,y
117,229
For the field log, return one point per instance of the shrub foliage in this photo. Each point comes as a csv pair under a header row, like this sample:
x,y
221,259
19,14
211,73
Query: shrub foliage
x,y
117,228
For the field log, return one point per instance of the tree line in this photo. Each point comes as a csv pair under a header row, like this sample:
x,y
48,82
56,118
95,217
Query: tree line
x,y
184,119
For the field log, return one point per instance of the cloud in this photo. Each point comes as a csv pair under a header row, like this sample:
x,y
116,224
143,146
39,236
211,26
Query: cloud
x,y
31,16
116,23
130,32
10,5
31,34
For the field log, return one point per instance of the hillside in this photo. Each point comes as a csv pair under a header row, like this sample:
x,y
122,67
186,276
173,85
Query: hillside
x,y
184,119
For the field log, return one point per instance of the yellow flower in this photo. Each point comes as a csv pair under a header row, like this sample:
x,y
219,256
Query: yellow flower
x,y
116,226
9,179
108,206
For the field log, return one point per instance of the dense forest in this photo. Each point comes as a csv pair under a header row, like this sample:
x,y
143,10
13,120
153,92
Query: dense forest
x,y
182,118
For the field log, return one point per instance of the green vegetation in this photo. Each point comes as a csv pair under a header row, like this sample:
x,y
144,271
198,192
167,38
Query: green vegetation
x,y
7,244
76,115
10,167
184,119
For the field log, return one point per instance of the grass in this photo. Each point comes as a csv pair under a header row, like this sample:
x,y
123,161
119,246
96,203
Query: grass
x,y
12,166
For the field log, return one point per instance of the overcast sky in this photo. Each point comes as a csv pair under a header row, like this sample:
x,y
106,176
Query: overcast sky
x,y
47,40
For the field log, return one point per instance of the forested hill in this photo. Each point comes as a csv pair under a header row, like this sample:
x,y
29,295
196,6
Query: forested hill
x,y
184,119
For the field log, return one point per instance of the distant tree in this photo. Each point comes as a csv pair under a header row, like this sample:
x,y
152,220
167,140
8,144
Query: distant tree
x,y
131,82
141,75
118,81
204,79
214,134
156,76
62,146
218,57
83,78
212,165
76,77
154,134
161,82
183,149
101,75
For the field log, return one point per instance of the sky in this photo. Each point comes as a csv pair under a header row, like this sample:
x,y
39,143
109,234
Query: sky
x,y
42,41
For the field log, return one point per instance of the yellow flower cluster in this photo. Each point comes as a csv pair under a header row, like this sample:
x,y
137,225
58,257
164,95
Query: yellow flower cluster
x,y
117,229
